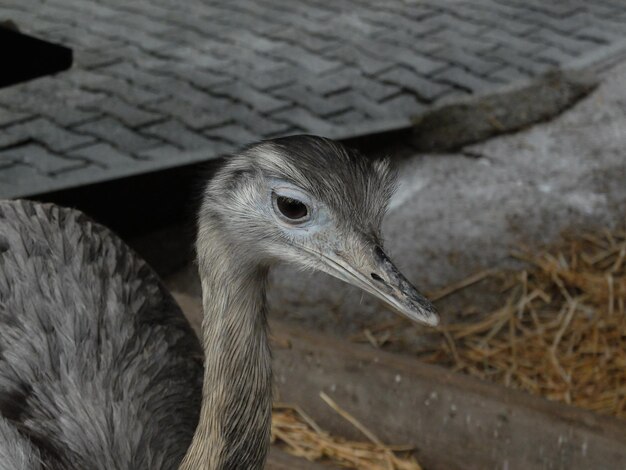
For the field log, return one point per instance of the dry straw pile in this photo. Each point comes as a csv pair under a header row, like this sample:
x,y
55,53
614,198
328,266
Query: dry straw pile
x,y
302,437
562,331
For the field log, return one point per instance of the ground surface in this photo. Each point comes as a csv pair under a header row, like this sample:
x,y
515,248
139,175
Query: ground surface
x,y
455,214
158,83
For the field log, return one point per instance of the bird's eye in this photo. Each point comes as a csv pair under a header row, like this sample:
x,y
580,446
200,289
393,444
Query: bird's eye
x,y
291,208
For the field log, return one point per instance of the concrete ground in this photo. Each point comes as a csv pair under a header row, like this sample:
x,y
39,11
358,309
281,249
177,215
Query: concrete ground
x,y
455,214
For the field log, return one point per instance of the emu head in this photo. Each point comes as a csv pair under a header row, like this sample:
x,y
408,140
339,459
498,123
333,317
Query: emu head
x,y
309,201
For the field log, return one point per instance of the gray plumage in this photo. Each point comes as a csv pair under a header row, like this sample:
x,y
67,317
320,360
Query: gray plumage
x,y
99,369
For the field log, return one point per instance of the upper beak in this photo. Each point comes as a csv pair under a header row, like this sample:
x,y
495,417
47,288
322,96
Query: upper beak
x,y
376,274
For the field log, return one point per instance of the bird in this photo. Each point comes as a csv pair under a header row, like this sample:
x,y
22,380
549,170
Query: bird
x,y
98,366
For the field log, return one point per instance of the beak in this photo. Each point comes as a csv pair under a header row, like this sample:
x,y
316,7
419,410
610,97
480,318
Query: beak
x,y
376,274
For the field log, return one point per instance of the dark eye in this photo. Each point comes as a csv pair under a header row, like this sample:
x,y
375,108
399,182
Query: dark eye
x,y
291,208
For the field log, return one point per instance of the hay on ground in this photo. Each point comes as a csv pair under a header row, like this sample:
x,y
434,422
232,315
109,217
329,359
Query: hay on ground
x,y
560,333
302,437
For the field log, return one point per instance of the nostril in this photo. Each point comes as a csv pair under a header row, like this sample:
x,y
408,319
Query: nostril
x,y
376,277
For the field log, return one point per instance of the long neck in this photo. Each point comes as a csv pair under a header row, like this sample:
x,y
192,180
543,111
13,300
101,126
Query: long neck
x,y
233,431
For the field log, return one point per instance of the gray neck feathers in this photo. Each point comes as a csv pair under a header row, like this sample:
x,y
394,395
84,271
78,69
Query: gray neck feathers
x,y
233,431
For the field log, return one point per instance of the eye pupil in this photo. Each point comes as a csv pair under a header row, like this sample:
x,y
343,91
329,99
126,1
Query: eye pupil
x,y
291,208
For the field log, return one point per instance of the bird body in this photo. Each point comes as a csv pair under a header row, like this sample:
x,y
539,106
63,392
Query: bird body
x,y
98,367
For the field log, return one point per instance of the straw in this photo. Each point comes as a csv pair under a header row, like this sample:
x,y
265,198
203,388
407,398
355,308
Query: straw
x,y
299,435
562,331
